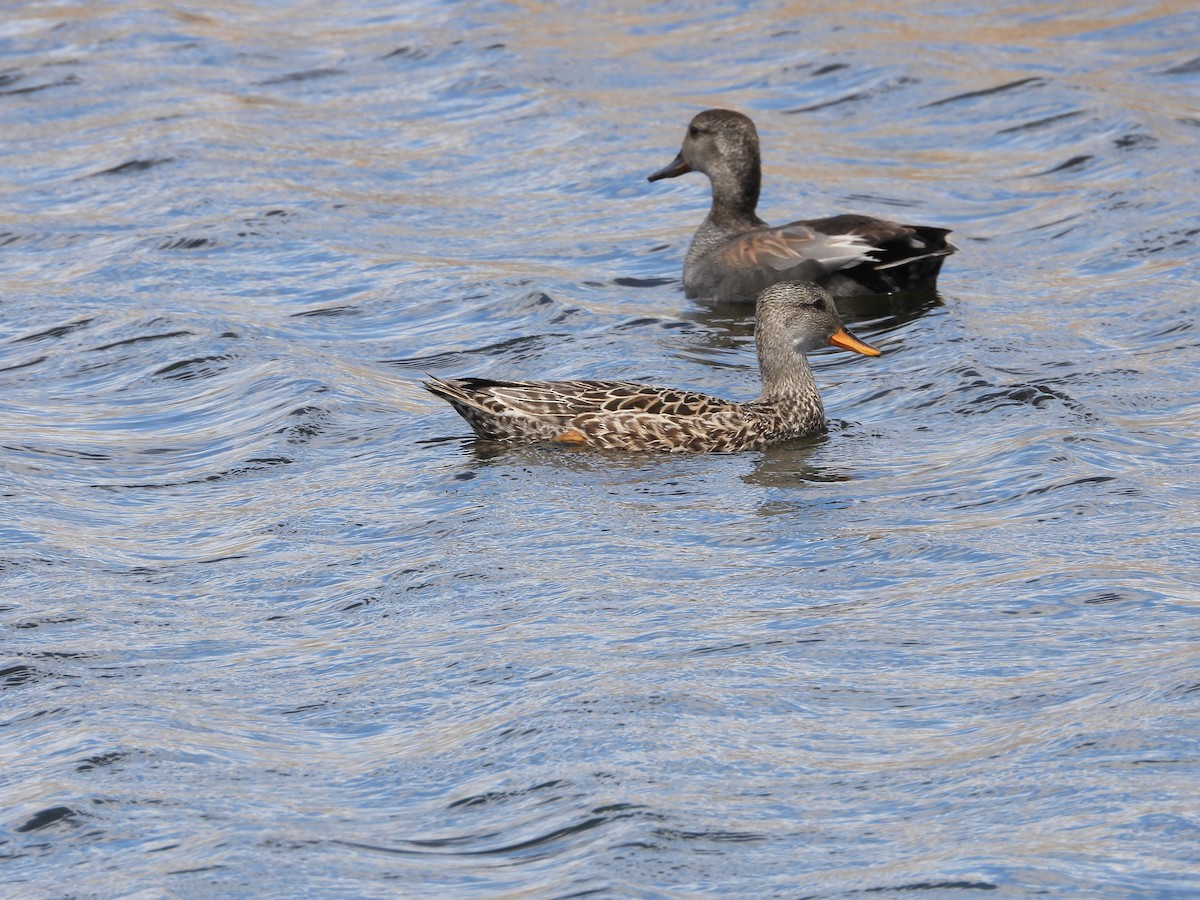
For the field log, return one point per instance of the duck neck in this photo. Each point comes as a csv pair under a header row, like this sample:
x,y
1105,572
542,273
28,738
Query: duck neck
x,y
786,375
735,187
787,379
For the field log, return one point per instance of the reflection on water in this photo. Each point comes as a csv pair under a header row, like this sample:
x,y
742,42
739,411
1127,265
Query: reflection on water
x,y
877,314
271,617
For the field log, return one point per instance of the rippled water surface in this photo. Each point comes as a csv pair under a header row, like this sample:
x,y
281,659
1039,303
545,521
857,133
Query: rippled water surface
x,y
273,624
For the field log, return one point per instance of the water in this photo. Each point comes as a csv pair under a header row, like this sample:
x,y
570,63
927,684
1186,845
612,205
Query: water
x,y
274,625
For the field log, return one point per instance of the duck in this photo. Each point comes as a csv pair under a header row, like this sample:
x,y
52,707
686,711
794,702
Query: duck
x,y
735,254
792,319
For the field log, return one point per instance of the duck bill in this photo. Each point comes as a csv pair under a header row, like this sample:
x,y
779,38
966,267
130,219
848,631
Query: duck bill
x,y
844,339
677,167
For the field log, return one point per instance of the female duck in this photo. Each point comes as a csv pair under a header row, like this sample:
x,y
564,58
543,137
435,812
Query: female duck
x,y
793,318
735,254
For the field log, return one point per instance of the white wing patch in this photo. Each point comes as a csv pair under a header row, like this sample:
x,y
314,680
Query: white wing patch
x,y
833,251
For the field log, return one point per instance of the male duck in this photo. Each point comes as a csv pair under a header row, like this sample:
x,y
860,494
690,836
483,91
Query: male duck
x,y
793,318
735,254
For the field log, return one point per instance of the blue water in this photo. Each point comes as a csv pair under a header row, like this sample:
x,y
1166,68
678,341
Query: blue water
x,y
274,624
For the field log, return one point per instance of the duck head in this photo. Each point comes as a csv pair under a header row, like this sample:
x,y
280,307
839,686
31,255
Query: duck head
x,y
722,144
806,314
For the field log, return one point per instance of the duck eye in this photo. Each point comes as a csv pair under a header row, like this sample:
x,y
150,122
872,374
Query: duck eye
x,y
693,131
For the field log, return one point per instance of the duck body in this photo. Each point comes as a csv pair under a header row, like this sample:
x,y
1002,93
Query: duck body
x,y
622,415
792,319
735,254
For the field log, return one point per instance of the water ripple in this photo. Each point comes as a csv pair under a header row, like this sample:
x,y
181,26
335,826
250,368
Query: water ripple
x,y
272,616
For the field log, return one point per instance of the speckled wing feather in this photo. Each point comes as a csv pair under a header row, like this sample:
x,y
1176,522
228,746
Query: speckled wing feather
x,y
604,413
570,398
726,430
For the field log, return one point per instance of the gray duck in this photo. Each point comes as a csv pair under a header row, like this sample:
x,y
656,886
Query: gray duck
x,y
735,254
793,318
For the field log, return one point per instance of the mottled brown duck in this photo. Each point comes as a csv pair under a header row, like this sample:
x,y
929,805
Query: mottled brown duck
x,y
793,318
735,254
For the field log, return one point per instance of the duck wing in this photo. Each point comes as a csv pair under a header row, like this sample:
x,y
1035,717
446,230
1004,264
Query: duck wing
x,y
893,244
738,269
783,249
548,410
564,399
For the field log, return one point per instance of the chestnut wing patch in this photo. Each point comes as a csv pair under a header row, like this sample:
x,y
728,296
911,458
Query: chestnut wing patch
x,y
785,248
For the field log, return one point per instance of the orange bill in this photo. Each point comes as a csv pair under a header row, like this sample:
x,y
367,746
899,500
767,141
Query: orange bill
x,y
844,339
